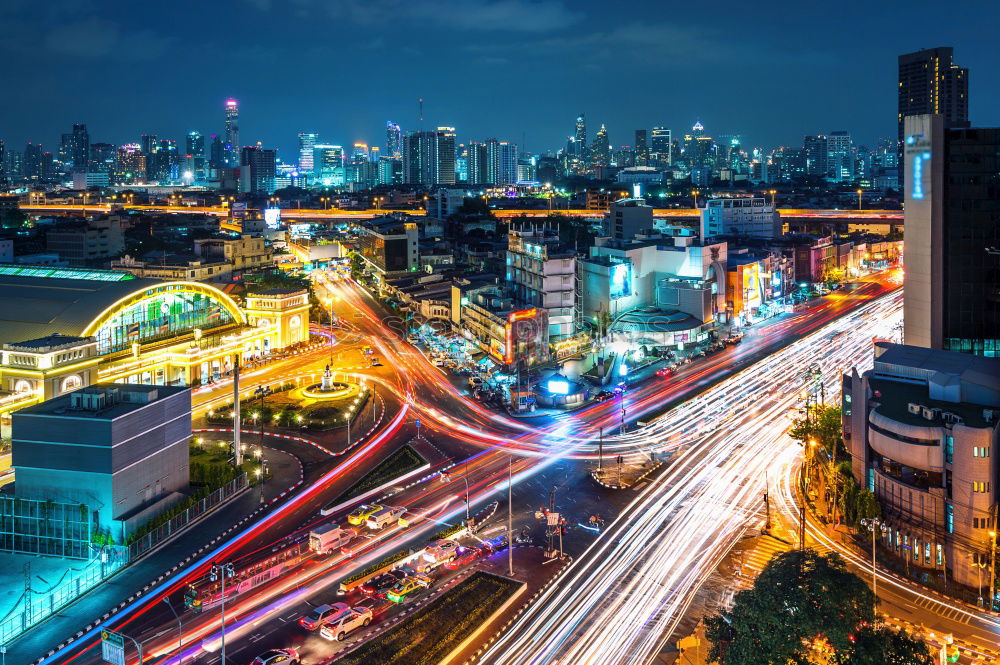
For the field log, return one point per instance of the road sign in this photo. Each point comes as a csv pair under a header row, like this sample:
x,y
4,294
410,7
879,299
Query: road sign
x,y
112,647
552,519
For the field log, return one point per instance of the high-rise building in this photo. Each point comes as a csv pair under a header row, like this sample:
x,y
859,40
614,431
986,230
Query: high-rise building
x,y
257,170
216,155
130,165
839,157
31,167
148,143
817,155
81,146
641,148
232,140
307,147
661,148
952,235
930,82
600,151
445,150
390,170
393,140
163,165
328,164
580,137
476,161
194,149
102,157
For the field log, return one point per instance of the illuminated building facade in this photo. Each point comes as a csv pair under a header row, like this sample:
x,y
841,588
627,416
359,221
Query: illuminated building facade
x,y
930,82
232,140
307,148
113,327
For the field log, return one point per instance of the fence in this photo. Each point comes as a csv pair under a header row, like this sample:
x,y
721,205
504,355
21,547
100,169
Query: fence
x,y
34,526
151,539
35,605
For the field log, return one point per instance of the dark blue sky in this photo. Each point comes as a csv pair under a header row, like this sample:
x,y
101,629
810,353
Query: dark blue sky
x,y
772,71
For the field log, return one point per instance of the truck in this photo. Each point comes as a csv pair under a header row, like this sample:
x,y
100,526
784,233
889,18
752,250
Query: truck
x,y
385,517
329,538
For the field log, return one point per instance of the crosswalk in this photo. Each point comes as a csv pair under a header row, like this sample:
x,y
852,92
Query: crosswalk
x,y
942,610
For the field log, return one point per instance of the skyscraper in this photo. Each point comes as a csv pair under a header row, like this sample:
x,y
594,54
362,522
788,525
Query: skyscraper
x,y
307,147
216,155
232,140
194,149
952,235
580,137
661,148
816,152
257,170
839,157
600,152
475,156
130,165
930,82
641,148
393,140
31,167
81,146
445,172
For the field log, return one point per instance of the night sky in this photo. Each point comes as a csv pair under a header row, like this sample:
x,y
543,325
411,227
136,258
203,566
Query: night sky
x,y
771,71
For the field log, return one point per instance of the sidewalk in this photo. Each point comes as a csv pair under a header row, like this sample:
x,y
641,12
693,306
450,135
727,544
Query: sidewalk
x,y
286,473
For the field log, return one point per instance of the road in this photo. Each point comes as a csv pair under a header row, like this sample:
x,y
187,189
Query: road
x,y
410,383
624,598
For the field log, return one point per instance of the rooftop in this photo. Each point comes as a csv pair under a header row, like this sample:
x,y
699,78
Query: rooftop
x,y
654,319
47,343
895,397
102,401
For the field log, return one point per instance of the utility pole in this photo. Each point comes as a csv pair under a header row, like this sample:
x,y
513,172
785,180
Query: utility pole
x,y
767,504
221,572
993,561
600,449
180,633
875,525
552,508
237,452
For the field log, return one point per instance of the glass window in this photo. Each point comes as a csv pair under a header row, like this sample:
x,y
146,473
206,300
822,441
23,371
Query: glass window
x,y
949,448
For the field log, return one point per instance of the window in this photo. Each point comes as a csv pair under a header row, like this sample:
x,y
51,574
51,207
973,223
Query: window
x,y
980,452
949,448
979,486
981,522
949,516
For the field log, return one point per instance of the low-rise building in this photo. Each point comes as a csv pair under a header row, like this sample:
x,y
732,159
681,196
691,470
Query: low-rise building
x,y
174,267
81,243
246,252
922,431
120,450
389,245
514,338
627,218
542,273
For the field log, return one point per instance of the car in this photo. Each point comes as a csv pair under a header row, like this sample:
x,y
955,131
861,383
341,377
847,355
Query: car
x,y
348,622
408,586
276,656
621,388
664,371
475,382
362,513
377,604
321,615
441,550
464,559
603,395
378,585
491,545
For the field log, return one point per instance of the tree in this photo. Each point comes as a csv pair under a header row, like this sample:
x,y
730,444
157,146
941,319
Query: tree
x,y
802,602
884,646
822,423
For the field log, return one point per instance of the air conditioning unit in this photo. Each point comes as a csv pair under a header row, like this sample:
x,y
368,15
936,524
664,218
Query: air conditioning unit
x,y
950,417
914,408
988,415
928,414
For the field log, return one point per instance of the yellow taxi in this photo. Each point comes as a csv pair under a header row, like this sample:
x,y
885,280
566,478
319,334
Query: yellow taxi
x,y
362,513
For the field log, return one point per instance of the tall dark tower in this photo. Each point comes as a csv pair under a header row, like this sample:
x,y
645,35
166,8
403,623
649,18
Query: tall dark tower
x,y
931,83
232,142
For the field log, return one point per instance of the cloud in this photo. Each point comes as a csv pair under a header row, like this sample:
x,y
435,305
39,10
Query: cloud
x,y
528,16
95,38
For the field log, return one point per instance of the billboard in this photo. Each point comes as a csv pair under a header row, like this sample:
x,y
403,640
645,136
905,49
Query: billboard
x,y
272,218
621,281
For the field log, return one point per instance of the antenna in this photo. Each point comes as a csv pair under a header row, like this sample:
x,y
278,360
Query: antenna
x,y
420,104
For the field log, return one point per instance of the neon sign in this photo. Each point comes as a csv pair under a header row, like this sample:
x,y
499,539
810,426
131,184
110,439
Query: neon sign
x,y
918,175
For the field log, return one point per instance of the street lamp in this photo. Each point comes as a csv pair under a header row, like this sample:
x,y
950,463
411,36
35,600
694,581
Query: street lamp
x,y
993,569
772,192
695,193
221,572
860,191
180,631
874,525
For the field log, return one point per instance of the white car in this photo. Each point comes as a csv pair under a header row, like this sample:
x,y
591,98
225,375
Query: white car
x,y
441,550
346,623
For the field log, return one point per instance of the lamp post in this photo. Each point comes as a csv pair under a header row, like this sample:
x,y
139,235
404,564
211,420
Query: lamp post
x,y
261,392
772,192
180,632
221,572
993,567
695,193
875,525
510,516
860,192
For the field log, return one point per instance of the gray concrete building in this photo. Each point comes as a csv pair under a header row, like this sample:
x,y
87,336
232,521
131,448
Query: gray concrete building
x,y
119,449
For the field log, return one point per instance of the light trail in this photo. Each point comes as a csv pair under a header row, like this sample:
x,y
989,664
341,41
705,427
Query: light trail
x,y
625,596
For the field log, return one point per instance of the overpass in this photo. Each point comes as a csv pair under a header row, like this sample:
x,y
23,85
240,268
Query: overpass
x,y
337,214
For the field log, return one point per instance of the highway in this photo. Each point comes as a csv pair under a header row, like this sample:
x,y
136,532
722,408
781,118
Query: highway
x,y
338,214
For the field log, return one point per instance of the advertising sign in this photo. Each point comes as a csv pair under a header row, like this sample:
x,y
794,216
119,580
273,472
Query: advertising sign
x,y
272,218
621,281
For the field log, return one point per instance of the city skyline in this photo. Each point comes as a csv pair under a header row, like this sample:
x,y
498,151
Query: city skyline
x,y
576,54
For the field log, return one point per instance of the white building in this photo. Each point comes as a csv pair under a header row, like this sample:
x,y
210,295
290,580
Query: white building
x,y
627,218
746,217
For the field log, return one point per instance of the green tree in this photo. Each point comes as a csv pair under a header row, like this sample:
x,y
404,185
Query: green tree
x,y
824,424
801,601
884,646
